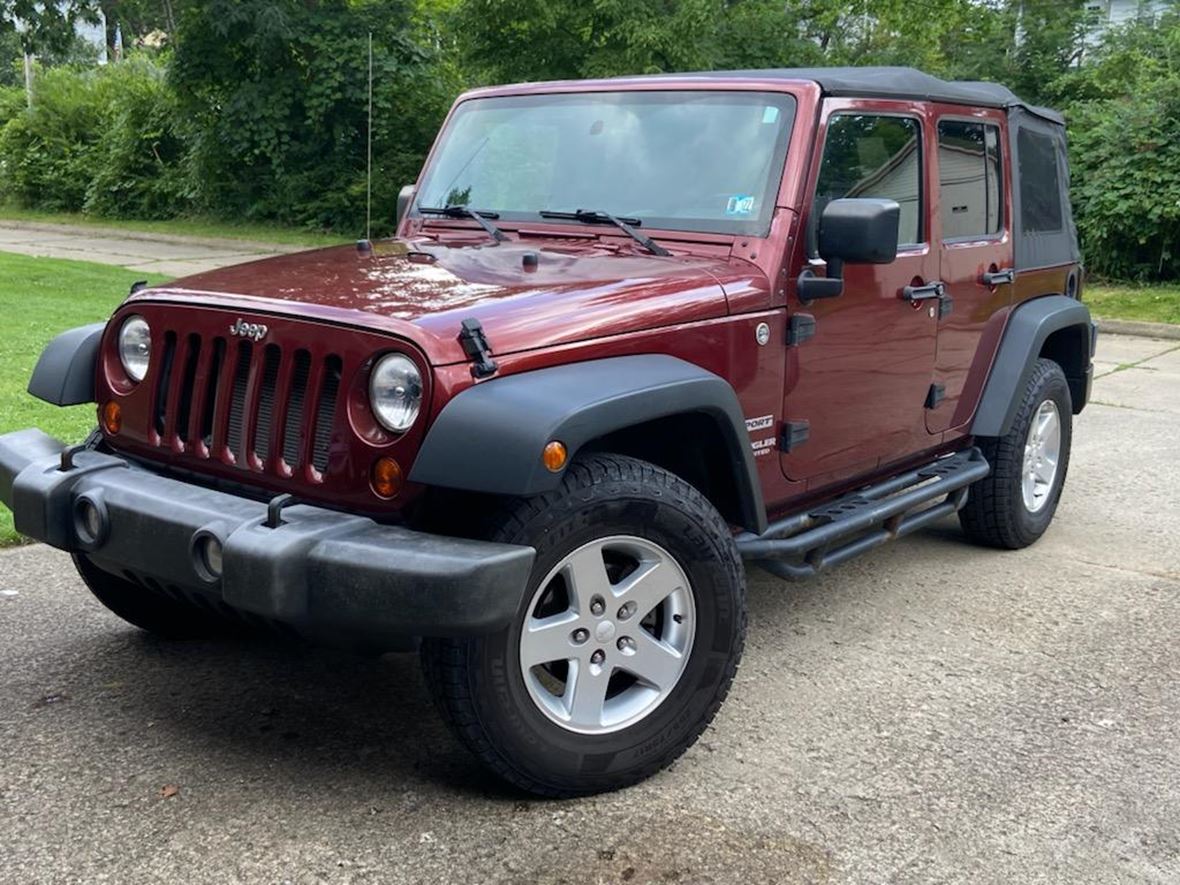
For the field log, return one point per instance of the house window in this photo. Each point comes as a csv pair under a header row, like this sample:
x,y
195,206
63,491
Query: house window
x,y
873,155
969,182
1040,192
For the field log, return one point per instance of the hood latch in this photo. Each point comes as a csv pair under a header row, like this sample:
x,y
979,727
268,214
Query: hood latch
x,y
476,346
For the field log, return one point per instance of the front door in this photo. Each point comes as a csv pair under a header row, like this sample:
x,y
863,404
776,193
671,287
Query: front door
x,y
857,389
975,254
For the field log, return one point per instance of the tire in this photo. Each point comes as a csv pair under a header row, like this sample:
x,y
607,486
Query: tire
x,y
997,513
608,508
153,611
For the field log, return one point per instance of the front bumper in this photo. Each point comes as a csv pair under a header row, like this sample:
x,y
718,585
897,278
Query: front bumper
x,y
327,574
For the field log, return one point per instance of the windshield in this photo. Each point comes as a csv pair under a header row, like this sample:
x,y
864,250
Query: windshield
x,y
694,161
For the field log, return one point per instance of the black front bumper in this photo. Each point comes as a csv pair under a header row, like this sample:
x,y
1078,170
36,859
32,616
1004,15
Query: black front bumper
x,y
327,574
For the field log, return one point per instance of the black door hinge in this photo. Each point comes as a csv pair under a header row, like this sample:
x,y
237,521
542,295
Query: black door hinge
x,y
946,304
800,327
935,395
794,434
475,345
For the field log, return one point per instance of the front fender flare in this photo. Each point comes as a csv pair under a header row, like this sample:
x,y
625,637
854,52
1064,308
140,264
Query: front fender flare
x,y
489,438
64,375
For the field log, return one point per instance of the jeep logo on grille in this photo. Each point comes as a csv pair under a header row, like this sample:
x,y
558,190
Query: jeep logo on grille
x,y
243,329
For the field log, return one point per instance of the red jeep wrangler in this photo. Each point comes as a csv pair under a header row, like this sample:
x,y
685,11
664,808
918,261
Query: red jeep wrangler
x,y
632,332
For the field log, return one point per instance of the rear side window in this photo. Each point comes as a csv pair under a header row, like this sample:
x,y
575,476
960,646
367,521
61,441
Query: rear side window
x,y
871,155
1040,188
969,179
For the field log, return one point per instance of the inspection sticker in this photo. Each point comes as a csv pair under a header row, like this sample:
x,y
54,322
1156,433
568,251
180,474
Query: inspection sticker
x,y
740,204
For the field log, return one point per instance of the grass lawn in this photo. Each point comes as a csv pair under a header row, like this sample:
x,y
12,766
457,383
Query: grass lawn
x,y
1120,301
40,297
189,227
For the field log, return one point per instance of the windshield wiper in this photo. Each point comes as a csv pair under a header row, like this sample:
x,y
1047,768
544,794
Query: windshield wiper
x,y
479,215
593,216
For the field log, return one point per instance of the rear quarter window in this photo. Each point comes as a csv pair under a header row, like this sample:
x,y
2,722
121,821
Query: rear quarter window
x,y
1040,185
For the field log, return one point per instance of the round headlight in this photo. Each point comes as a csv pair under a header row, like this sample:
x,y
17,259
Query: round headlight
x,y
135,347
395,392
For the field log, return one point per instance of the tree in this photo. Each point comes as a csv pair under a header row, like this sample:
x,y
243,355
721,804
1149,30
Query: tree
x,y
45,26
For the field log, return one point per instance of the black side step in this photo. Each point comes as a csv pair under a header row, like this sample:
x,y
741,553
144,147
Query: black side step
x,y
800,545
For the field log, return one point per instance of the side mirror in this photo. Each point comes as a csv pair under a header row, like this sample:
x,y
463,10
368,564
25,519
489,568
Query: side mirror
x,y
860,231
404,197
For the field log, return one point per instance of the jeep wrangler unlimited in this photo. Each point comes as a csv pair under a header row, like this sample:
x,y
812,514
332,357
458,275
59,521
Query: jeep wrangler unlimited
x,y
631,333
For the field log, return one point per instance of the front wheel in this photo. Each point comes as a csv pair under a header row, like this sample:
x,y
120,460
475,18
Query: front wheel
x,y
626,641
1013,506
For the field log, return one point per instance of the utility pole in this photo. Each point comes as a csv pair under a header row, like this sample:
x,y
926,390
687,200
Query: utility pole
x,y
29,78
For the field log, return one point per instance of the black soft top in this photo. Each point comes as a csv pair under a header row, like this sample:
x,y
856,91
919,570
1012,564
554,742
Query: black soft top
x,y
889,82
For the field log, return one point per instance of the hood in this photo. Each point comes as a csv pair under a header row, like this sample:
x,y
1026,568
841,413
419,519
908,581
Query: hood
x,y
424,290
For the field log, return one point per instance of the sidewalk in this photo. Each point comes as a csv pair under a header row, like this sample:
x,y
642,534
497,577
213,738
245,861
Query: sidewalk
x,y
152,253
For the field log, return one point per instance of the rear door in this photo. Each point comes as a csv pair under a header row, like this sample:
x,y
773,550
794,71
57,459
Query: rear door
x,y
971,217
856,389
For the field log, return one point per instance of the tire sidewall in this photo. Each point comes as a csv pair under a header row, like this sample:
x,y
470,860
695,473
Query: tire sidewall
x,y
1051,386
521,731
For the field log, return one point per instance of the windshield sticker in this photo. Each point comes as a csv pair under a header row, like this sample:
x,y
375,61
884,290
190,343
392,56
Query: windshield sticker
x,y
740,204
770,114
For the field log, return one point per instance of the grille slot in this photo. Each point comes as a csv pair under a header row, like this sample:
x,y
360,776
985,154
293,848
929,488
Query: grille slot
x,y
325,413
164,381
266,400
215,364
293,429
235,429
188,383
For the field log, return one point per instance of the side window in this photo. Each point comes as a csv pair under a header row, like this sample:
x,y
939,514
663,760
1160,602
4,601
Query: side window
x,y
868,155
969,179
1040,191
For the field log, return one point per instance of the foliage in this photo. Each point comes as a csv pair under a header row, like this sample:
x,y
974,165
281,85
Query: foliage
x,y
1125,152
45,26
275,98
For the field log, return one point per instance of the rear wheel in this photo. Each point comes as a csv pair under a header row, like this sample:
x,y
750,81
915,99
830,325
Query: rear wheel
x,y
1013,506
626,641
153,611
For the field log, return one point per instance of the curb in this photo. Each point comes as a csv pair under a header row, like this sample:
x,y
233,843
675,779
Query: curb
x,y
146,236
1139,328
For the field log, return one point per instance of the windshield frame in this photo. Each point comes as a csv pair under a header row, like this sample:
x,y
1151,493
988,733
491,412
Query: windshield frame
x,y
786,100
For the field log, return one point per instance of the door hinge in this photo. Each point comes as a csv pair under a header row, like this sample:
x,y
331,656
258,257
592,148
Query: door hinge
x,y
794,434
946,304
935,395
800,327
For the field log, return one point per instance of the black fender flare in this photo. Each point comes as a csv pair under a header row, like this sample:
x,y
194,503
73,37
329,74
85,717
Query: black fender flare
x,y
1029,327
64,374
489,438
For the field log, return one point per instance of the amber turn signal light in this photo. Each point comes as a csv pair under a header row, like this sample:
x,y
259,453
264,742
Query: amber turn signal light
x,y
386,477
554,456
112,417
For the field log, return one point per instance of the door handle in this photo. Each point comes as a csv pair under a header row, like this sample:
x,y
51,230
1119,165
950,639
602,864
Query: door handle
x,y
914,294
998,277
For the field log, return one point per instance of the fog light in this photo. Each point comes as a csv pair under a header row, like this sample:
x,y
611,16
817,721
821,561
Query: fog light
x,y
209,550
112,417
386,477
90,523
554,456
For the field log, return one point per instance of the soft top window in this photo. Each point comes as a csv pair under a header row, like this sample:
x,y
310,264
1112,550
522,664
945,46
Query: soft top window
x,y
1040,187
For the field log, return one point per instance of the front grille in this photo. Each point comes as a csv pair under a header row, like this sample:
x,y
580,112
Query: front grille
x,y
257,407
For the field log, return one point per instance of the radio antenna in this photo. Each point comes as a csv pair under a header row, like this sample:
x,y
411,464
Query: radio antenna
x,y
369,160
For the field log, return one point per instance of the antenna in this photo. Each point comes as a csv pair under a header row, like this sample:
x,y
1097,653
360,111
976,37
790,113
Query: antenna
x,y
369,174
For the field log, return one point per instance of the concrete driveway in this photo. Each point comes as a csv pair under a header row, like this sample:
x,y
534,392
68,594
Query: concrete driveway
x,y
933,712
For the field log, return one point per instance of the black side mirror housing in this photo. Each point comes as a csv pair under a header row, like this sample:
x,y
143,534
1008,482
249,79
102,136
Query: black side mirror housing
x,y
404,197
856,230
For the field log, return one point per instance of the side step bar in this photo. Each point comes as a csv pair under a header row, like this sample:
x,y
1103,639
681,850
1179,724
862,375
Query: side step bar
x,y
800,545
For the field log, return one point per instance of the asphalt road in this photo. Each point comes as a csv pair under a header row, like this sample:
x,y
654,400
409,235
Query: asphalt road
x,y
932,712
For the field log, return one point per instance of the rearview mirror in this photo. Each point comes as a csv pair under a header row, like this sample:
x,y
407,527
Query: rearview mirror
x,y
860,231
404,197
